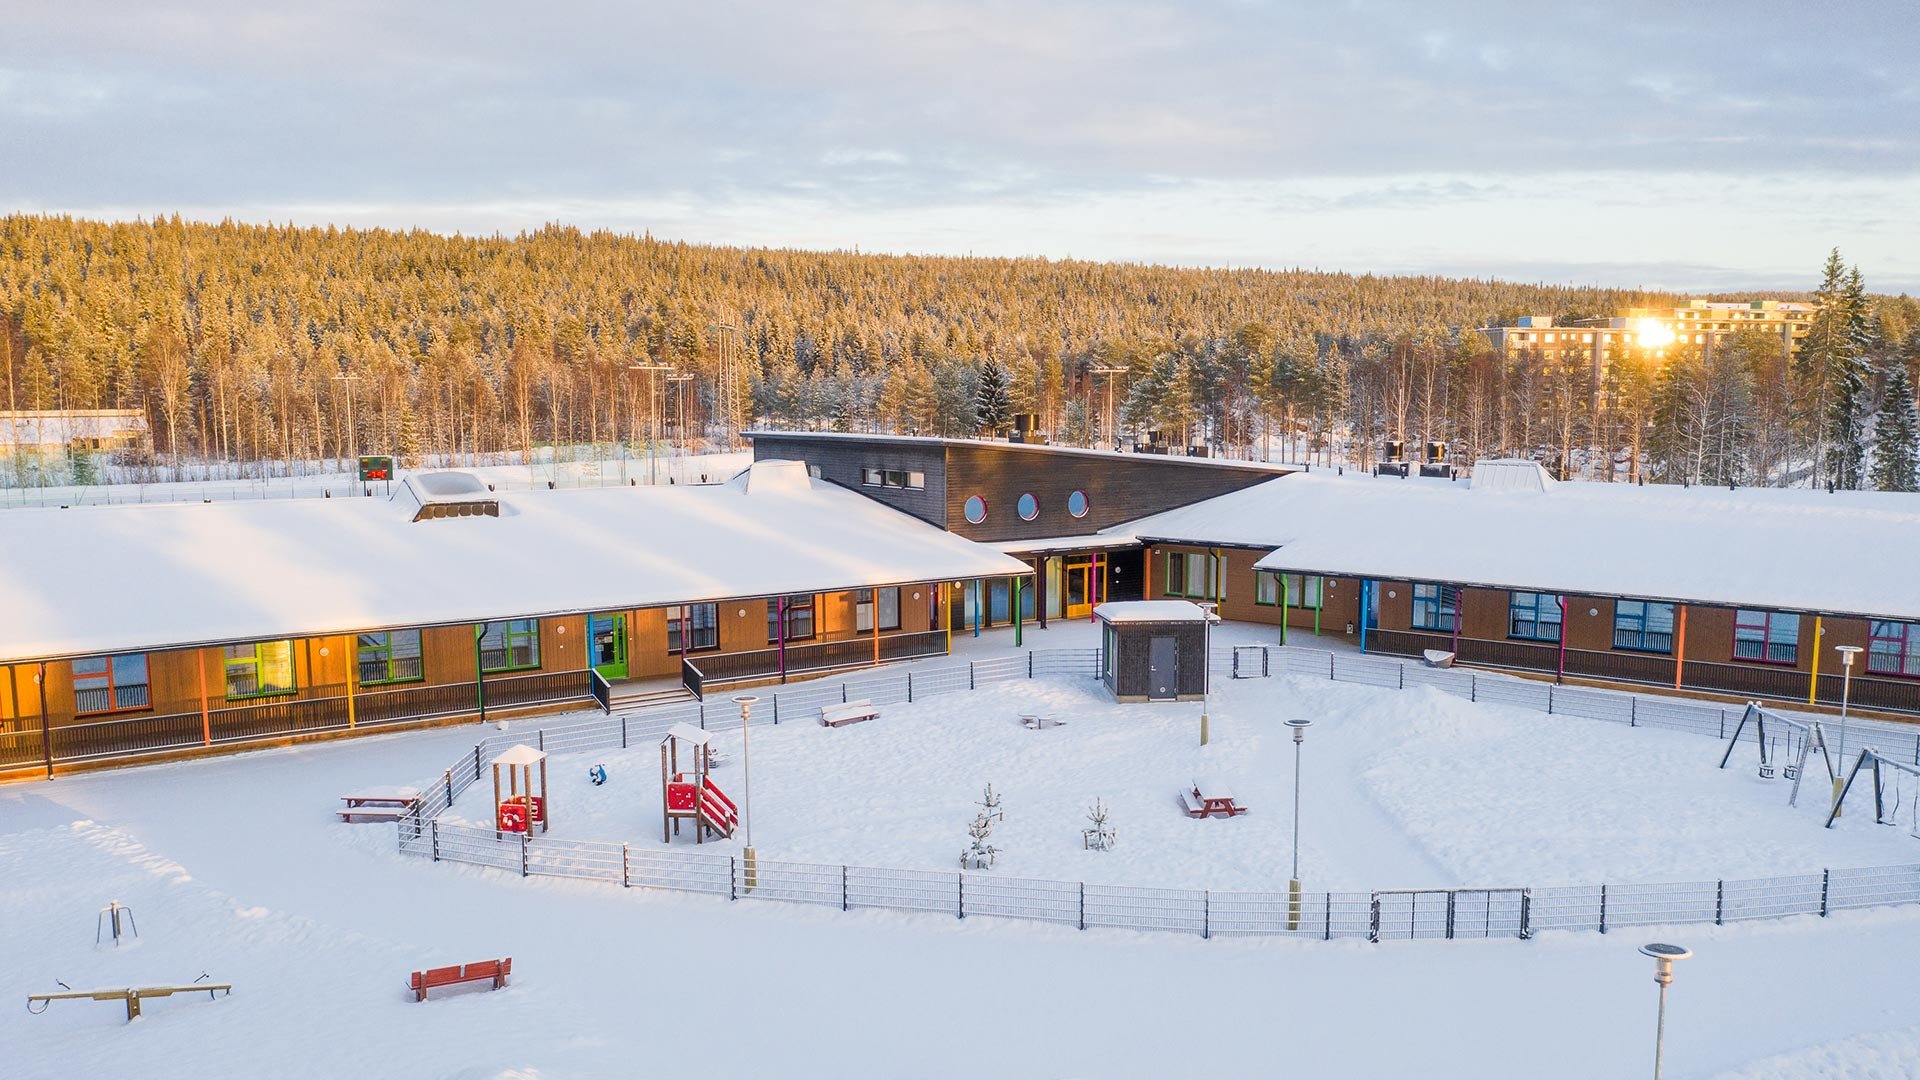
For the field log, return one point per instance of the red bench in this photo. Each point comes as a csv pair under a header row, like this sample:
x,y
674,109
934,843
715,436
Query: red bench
x,y
494,971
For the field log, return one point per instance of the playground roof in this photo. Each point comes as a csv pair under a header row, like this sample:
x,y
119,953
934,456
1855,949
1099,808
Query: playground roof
x,y
109,579
1787,549
1151,611
689,733
520,755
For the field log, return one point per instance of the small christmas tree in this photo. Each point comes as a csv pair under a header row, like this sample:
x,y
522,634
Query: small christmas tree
x,y
1101,836
990,805
979,854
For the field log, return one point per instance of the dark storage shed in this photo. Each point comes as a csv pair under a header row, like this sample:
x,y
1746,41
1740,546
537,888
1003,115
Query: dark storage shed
x,y
1153,650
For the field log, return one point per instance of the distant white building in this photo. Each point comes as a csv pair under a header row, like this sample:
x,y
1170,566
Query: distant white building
x,y
52,431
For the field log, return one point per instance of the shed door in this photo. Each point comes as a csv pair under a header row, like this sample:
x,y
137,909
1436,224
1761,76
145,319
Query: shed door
x,y
1163,669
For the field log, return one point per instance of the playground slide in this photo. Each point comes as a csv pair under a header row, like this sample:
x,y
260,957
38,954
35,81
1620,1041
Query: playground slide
x,y
717,811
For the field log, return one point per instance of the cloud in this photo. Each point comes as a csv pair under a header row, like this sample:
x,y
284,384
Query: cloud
x,y
728,115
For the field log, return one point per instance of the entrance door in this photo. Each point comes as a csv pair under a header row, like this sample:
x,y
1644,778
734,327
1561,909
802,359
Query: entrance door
x,y
607,641
1163,669
1079,593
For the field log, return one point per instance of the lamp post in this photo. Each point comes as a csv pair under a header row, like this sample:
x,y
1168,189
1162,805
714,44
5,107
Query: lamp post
x,y
1663,958
726,393
745,701
353,432
652,412
1293,885
1106,418
682,384
1206,669
1847,653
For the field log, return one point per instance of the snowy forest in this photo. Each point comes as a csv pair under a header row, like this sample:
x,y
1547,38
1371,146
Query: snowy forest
x,y
270,344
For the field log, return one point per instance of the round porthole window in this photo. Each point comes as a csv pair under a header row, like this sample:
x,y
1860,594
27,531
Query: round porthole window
x,y
1077,504
1029,507
975,509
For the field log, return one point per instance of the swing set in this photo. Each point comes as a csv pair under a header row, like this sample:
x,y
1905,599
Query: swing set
x,y
1896,787
1778,740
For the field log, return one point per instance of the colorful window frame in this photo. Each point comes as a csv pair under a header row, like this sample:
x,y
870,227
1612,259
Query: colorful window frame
x,y
1027,506
1534,616
1436,607
702,623
974,509
260,669
1766,637
110,684
1643,626
510,645
1266,588
1893,648
1299,594
863,600
390,656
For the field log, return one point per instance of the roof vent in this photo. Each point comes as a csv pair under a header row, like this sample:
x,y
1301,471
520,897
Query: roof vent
x,y
431,495
1504,475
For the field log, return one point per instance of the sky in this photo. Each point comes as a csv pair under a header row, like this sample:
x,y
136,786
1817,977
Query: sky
x,y
1702,146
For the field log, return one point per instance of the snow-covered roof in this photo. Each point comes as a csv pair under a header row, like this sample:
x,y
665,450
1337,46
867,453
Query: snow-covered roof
x,y
1089,542
1151,611
520,755
694,735
93,580
1005,444
1796,549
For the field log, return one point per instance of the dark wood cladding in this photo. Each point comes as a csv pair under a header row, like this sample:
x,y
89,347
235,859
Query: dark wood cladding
x,y
840,460
1119,488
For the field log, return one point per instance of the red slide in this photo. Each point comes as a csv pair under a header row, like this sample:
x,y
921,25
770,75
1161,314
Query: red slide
x,y
718,811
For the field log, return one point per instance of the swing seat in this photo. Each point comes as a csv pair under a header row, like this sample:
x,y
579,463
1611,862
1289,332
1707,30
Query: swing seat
x,y
1766,772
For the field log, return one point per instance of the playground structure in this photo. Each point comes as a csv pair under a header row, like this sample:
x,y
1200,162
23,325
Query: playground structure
x,y
520,810
1800,739
131,995
692,796
1896,787
110,918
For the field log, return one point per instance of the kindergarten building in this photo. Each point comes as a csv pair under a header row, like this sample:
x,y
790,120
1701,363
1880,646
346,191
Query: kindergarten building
x,y
132,631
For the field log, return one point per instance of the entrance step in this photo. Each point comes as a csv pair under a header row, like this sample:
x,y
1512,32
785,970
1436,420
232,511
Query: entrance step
x,y
647,698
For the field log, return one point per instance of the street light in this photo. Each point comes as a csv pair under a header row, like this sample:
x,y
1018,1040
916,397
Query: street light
x,y
682,384
1293,886
1206,669
353,432
1663,958
1847,653
652,414
1106,420
745,701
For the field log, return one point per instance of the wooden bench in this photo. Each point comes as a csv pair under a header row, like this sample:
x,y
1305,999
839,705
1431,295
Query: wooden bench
x,y
379,804
853,712
493,971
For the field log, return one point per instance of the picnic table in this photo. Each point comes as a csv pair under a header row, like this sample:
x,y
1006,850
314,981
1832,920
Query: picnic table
x,y
379,804
1201,806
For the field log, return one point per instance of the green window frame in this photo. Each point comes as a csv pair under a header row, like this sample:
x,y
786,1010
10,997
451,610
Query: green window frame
x,y
260,669
1299,594
390,656
510,645
1176,579
1266,588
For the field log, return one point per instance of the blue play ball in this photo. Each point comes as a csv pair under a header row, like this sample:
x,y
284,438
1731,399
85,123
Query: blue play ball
x,y
597,774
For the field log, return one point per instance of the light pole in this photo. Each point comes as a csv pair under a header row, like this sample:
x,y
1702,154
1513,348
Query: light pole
x,y
1106,421
1206,670
353,431
745,701
652,413
1293,885
724,395
1663,958
681,381
1847,653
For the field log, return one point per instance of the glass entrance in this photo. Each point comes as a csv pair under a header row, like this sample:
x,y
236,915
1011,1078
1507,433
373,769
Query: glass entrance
x,y
607,642
1079,586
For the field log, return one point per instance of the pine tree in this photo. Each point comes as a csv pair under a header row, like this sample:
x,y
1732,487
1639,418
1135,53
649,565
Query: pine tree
x,y
1896,434
993,405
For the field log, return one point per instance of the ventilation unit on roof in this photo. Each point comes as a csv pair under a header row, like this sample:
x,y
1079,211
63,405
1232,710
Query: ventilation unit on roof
x,y
434,495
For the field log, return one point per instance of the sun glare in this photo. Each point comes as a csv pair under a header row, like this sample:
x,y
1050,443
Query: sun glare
x,y
1654,334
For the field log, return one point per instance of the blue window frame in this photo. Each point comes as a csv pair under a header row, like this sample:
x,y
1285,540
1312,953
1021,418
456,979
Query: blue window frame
x,y
1643,626
1534,616
1436,607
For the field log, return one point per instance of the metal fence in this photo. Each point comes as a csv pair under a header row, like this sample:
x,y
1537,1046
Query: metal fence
x,y
1378,915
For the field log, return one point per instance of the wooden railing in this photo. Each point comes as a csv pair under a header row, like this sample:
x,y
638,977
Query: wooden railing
x,y
717,669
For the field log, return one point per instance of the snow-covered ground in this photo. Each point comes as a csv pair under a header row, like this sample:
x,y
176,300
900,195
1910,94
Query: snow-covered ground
x,y
314,480
235,867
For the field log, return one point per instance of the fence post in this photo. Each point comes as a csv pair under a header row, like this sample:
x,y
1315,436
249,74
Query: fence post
x,y
909,687
436,848
969,674
1526,914
1603,908
843,888
1450,896
449,781
1719,900
624,876
1403,677
1550,700
540,737
1826,879
843,693
1473,686
1723,723
1373,921
1029,663
1633,710
776,710
1328,935
476,761
523,853
1083,905
1206,914
963,893
733,877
